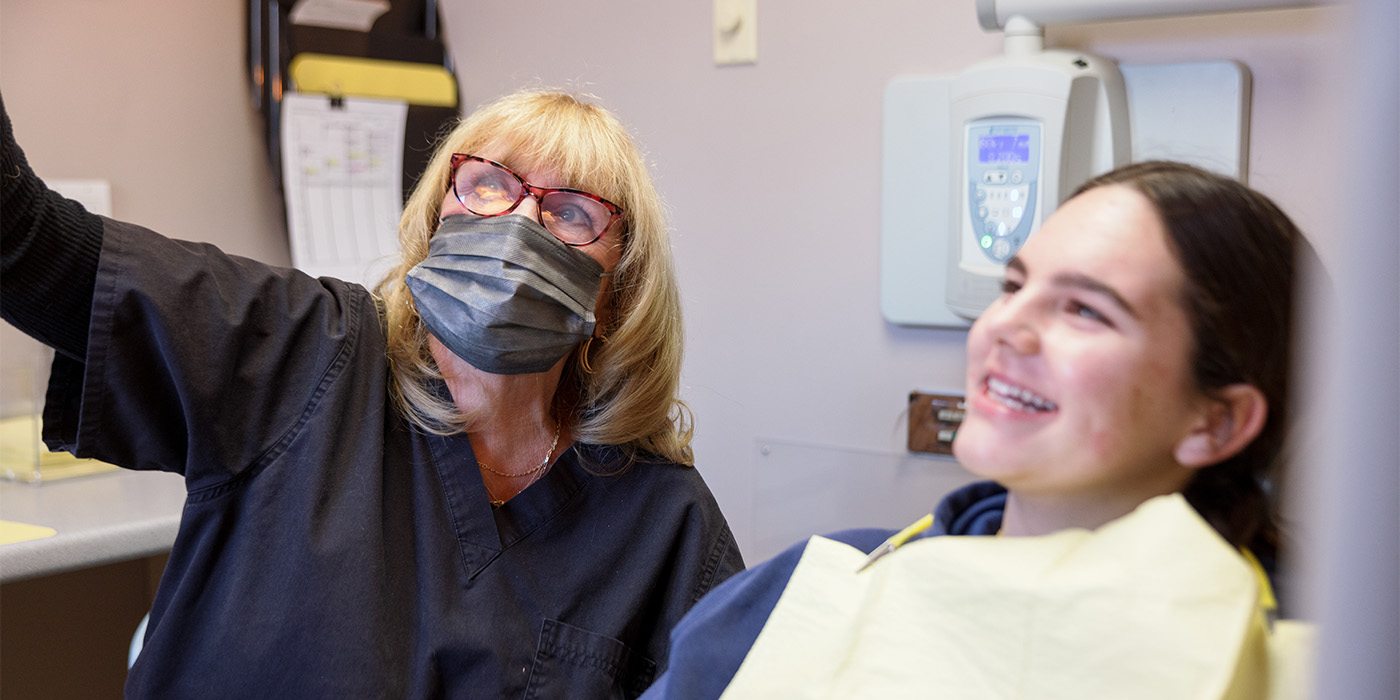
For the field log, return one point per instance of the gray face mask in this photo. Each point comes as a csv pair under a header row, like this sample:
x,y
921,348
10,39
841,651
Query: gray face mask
x,y
503,294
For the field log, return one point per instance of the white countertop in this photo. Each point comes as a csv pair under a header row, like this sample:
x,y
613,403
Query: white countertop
x,y
100,519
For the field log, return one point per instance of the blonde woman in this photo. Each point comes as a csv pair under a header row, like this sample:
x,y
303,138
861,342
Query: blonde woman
x,y
475,482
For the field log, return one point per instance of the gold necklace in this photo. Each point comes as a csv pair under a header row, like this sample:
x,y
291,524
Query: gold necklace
x,y
534,474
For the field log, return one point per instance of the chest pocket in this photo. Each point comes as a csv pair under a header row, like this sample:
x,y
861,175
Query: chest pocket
x,y
571,662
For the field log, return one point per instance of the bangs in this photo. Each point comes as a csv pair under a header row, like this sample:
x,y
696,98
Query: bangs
x,y
548,131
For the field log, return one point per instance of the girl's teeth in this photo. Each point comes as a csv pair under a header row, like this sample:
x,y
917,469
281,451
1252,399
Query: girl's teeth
x,y
1018,398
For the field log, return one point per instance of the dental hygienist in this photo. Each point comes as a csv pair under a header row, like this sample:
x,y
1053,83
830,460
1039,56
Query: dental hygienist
x,y
476,482
1139,348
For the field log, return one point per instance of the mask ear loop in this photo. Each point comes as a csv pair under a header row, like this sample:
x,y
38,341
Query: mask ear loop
x,y
583,353
583,362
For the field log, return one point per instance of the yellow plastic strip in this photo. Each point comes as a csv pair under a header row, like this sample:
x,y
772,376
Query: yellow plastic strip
x,y
12,532
896,540
349,76
915,528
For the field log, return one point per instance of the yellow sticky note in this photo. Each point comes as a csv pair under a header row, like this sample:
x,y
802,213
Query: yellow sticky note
x,y
12,532
349,76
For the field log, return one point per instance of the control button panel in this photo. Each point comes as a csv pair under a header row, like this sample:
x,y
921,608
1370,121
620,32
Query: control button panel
x,y
1003,163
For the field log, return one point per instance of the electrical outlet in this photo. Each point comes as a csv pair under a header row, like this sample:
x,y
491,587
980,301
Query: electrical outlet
x,y
934,421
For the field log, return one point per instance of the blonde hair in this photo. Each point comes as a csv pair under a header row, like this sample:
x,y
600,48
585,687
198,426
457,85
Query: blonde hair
x,y
623,391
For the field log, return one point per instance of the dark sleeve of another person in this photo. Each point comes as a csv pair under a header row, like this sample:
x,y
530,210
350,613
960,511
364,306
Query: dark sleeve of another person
x,y
49,249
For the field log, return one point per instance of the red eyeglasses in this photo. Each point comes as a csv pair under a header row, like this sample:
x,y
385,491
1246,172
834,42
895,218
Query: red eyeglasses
x,y
487,188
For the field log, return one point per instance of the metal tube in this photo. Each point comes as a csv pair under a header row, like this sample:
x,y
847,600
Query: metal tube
x,y
992,14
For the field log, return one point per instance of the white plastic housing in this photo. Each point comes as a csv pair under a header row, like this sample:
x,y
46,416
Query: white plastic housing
x,y
993,14
1080,105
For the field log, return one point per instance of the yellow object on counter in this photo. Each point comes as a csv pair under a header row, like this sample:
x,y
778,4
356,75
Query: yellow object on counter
x,y
23,456
12,532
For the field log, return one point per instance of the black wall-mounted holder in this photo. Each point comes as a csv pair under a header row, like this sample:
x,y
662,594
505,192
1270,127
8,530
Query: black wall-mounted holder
x,y
408,31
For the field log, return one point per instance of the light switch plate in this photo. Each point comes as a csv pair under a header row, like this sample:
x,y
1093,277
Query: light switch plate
x,y
736,32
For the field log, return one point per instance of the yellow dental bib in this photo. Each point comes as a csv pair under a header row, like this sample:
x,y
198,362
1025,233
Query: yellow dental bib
x,y
1153,605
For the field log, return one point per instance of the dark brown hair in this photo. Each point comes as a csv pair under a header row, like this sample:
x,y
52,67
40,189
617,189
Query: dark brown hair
x,y
1236,248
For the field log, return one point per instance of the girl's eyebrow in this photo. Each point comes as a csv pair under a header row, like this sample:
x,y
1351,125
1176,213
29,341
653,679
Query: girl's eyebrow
x,y
1079,281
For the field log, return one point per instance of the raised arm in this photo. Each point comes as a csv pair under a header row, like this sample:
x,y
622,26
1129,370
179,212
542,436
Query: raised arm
x,y
49,248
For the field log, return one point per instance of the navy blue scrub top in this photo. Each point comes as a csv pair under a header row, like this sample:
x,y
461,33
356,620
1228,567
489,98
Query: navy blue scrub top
x,y
329,549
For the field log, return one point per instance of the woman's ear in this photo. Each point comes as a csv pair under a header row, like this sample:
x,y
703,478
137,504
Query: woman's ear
x,y
1231,418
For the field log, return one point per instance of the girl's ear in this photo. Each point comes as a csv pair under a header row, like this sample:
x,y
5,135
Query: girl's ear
x,y
1231,418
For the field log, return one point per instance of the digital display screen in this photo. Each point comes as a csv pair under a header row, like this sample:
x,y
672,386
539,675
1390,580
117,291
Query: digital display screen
x,y
1009,148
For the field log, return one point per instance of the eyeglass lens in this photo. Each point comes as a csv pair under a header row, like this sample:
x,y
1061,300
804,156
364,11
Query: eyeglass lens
x,y
486,189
